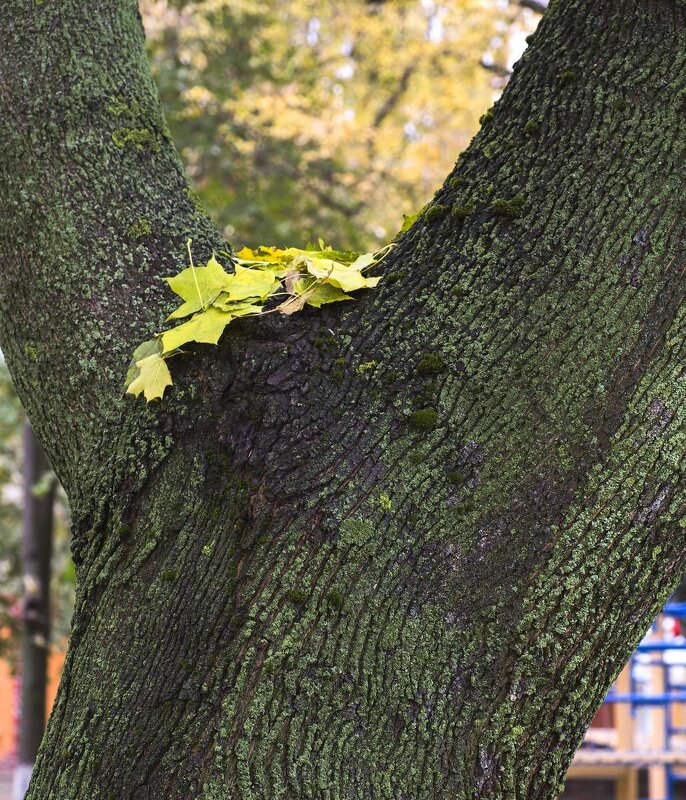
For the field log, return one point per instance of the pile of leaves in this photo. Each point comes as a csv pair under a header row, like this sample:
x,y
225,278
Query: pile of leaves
x,y
264,281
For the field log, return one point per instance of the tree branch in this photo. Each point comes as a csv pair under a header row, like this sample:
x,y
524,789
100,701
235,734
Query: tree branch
x,y
539,6
394,98
500,70
79,286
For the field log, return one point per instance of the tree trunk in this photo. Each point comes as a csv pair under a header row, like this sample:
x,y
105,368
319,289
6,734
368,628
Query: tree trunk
x,y
396,549
36,557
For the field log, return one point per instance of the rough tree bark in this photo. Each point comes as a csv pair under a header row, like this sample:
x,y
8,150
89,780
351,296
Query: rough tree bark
x,y
397,549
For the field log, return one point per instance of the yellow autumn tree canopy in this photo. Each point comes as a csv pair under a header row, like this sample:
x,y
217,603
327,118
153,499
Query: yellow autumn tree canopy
x,y
310,118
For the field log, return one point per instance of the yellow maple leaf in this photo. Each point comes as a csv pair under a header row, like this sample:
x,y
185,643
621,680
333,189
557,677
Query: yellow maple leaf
x,y
206,326
153,377
337,274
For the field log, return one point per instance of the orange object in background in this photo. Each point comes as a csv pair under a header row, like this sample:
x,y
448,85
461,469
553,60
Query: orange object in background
x,y
9,696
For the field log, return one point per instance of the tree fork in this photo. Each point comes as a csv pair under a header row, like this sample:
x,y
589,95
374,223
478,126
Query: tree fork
x,y
395,549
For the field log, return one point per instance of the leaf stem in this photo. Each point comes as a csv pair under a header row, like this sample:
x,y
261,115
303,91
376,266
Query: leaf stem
x,y
195,277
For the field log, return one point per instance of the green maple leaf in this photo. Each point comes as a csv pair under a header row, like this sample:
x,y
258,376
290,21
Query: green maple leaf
x,y
198,286
410,219
206,326
317,294
246,283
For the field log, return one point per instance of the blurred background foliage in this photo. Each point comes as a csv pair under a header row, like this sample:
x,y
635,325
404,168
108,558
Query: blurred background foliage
x,y
11,420
296,120
306,119
11,491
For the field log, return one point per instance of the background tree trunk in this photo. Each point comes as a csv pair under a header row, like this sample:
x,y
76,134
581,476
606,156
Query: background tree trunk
x,y
37,528
397,549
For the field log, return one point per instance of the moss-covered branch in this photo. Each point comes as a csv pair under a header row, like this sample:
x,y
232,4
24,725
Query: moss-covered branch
x,y
94,211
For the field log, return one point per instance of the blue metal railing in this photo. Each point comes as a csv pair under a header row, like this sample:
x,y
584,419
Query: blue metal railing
x,y
674,692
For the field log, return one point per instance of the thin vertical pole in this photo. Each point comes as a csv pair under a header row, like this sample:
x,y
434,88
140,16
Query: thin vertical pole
x,y
36,557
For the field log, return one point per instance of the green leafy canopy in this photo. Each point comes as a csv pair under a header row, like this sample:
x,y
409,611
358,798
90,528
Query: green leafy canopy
x,y
213,297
